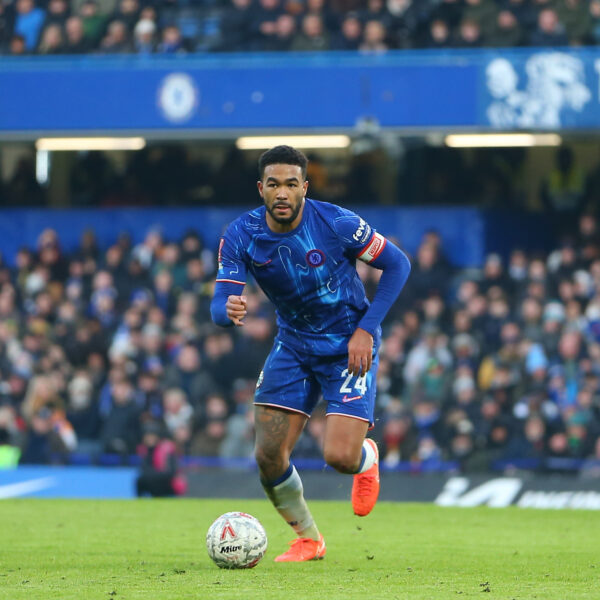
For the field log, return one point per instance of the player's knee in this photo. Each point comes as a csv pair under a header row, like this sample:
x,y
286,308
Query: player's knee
x,y
341,460
270,464
262,457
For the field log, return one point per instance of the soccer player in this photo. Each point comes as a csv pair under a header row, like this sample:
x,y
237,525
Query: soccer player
x,y
303,254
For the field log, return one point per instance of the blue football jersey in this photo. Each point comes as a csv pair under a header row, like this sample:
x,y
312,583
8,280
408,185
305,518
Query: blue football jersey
x,y
308,273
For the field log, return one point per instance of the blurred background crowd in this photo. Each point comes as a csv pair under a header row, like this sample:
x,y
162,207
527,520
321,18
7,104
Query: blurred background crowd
x,y
379,169
489,368
180,26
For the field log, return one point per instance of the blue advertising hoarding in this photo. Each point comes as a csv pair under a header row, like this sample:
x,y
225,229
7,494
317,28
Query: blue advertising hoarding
x,y
68,482
207,94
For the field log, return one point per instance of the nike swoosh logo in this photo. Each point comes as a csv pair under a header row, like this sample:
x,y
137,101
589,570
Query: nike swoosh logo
x,y
262,264
346,399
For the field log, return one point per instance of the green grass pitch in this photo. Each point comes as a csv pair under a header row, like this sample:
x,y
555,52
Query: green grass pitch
x,y
155,549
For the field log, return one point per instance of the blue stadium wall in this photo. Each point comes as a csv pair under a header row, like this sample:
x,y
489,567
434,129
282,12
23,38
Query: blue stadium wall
x,y
467,233
489,89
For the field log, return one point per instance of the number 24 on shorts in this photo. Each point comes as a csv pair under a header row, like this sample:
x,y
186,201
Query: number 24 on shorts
x,y
360,384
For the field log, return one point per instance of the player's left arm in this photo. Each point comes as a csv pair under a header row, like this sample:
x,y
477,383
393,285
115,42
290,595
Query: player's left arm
x,y
362,242
395,266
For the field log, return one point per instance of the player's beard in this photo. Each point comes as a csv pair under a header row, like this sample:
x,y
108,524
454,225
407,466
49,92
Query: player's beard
x,y
285,220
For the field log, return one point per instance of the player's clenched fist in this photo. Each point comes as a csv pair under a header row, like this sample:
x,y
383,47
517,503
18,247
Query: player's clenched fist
x,y
236,308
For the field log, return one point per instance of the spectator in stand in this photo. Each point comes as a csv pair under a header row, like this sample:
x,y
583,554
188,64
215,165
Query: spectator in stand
x,y
588,235
285,30
51,40
208,440
438,35
531,318
57,13
76,42
494,274
484,12
576,18
119,431
349,36
170,259
235,26
146,252
524,11
171,41
399,435
407,21
374,38
29,21
116,40
186,373
178,414
263,22
376,10
94,23
321,9
507,32
159,476
50,437
17,45
468,34
128,12
312,37
82,412
594,33
550,31
429,275
239,438
433,346
164,293
143,36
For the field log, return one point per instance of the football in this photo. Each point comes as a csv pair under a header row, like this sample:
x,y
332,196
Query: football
x,y
236,540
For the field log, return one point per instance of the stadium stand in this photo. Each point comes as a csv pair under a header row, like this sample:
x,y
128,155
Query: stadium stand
x,y
487,368
129,26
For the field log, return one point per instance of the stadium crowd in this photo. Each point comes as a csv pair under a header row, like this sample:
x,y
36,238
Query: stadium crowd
x,y
103,346
142,27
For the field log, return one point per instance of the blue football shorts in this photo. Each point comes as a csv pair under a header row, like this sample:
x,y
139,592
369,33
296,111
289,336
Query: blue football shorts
x,y
295,381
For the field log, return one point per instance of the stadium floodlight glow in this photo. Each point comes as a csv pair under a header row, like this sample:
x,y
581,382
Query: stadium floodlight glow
x,y
76,144
42,166
297,141
502,140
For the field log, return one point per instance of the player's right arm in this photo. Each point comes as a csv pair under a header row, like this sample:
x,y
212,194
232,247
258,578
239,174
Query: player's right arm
x,y
235,308
228,306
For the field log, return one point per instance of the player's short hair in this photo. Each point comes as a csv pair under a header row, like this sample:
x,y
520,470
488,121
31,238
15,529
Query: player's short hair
x,y
282,155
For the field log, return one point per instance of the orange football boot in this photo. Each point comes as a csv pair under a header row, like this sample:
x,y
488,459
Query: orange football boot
x,y
302,549
365,488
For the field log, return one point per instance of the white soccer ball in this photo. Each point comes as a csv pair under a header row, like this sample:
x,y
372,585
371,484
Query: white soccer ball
x,y
236,540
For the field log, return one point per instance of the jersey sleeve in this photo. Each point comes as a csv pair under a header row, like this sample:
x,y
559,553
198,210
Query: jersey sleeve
x,y
231,276
360,240
232,268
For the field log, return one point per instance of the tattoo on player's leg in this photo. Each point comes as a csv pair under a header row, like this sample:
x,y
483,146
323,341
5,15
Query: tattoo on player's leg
x,y
272,429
